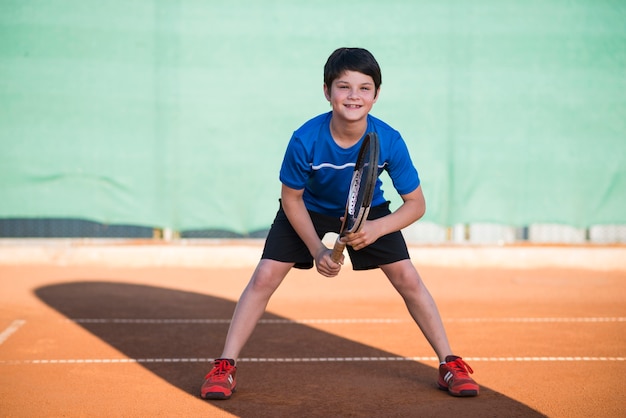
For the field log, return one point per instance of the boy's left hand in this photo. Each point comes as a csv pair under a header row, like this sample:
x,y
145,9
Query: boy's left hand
x,y
366,236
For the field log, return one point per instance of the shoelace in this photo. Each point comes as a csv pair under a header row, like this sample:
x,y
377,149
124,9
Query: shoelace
x,y
220,370
461,366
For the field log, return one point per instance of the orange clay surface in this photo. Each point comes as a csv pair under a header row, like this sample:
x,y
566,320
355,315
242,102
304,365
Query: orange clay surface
x,y
102,341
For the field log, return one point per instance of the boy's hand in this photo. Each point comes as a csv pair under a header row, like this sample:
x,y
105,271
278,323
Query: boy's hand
x,y
325,265
367,235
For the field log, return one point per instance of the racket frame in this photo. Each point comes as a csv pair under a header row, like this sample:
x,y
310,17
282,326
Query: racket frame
x,y
360,178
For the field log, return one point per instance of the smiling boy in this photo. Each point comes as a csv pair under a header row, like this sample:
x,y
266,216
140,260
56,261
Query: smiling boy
x,y
315,176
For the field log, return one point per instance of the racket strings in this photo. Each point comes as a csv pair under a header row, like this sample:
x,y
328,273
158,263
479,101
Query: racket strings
x,y
354,193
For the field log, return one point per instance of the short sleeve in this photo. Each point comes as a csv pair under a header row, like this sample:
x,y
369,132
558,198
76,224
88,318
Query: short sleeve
x,y
400,167
296,167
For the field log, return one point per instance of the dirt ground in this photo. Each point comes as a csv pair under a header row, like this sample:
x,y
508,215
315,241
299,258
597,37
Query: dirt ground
x,y
91,340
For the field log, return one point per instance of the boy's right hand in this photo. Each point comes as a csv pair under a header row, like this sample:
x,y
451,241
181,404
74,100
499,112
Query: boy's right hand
x,y
325,265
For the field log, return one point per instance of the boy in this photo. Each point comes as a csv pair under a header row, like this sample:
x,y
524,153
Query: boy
x,y
315,175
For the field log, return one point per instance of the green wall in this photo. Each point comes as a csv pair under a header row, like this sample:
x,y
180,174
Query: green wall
x,y
176,114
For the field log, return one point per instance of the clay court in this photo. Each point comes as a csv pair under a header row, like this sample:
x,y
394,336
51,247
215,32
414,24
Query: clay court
x,y
106,330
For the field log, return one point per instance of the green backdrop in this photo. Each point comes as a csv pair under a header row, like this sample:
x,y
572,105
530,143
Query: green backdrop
x,y
170,113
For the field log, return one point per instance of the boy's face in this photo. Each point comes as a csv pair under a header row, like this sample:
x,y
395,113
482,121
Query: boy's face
x,y
351,95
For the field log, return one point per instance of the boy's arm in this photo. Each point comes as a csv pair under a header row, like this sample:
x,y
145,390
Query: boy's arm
x,y
298,216
411,210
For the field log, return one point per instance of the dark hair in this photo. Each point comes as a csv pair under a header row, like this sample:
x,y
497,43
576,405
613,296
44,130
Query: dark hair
x,y
351,59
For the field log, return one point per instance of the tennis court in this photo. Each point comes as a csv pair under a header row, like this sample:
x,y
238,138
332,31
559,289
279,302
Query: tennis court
x,y
129,330
140,140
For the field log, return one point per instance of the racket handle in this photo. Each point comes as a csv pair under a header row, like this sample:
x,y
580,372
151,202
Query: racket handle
x,y
337,250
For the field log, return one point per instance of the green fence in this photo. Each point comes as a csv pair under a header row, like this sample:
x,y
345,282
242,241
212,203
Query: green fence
x,y
175,114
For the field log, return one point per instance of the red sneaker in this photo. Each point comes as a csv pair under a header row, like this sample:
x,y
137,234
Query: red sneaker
x,y
454,377
220,383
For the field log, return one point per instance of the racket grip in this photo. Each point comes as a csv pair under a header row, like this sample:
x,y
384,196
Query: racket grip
x,y
337,250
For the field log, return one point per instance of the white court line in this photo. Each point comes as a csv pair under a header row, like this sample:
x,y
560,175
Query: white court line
x,y
15,325
227,321
339,321
308,360
555,319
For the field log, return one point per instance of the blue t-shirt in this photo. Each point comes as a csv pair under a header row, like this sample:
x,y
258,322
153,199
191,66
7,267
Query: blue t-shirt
x,y
315,163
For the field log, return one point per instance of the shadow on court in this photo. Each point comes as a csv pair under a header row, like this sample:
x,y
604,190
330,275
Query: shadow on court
x,y
266,389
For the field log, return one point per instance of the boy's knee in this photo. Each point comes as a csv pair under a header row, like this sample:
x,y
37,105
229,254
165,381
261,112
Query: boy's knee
x,y
266,278
261,282
407,282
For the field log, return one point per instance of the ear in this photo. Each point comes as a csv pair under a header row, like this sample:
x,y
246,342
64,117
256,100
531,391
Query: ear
x,y
377,94
326,92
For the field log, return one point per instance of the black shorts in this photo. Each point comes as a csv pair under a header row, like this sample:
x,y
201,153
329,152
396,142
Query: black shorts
x,y
284,244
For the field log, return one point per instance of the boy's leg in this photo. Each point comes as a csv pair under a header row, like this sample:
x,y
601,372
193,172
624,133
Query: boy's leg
x,y
421,305
453,371
265,280
220,382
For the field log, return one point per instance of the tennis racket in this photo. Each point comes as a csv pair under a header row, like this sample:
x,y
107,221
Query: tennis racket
x,y
360,193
